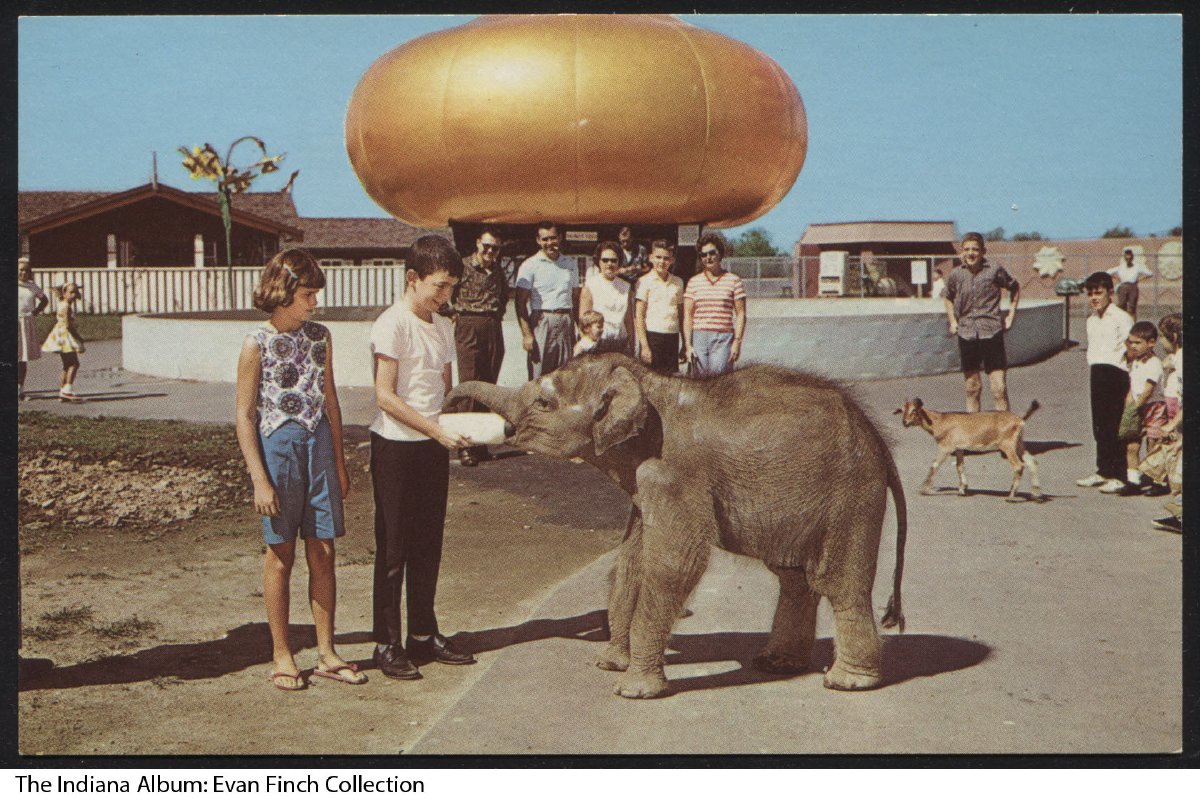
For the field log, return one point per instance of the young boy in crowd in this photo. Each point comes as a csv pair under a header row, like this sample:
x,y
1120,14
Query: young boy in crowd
x,y
1108,328
1145,382
592,325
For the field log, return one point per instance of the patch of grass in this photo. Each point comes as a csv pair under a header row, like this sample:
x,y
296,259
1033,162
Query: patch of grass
x,y
91,327
128,440
70,615
129,627
62,622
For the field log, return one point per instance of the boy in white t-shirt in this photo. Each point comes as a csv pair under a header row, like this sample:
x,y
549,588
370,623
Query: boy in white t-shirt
x,y
1108,380
413,349
1145,382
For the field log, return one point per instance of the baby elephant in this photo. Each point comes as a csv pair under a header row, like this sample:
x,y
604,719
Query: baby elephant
x,y
959,433
774,464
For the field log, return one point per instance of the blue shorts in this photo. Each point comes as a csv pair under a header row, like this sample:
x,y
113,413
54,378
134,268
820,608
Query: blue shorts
x,y
303,470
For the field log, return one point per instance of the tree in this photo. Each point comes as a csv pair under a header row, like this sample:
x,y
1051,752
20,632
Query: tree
x,y
995,235
755,243
1024,236
1176,232
1118,232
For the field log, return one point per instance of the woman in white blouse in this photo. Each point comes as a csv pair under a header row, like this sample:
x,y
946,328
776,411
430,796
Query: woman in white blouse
x,y
608,294
30,302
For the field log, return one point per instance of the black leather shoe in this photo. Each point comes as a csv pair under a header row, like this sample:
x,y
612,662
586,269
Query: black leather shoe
x,y
440,649
1130,490
392,662
1156,489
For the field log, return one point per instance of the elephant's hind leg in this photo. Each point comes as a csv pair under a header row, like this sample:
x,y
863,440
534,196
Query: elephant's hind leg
x,y
857,648
789,649
623,596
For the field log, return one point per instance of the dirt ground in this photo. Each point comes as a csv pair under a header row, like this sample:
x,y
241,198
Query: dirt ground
x,y
104,606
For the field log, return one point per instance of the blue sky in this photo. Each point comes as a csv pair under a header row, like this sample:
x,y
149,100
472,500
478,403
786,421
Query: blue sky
x,y
1066,125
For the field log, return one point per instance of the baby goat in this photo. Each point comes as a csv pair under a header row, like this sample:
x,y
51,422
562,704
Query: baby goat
x,y
958,433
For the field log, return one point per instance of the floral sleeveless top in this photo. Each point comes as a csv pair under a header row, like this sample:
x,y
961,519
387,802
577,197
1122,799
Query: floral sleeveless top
x,y
292,387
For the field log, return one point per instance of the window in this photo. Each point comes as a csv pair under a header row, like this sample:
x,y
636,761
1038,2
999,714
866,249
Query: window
x,y
383,262
334,263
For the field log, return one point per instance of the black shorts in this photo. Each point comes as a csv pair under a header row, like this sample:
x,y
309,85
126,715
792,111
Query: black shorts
x,y
986,352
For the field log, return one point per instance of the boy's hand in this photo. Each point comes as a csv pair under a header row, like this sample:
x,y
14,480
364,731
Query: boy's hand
x,y
1008,319
452,441
266,502
953,327
344,479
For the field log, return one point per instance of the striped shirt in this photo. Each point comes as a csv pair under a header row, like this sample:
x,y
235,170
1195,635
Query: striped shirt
x,y
714,300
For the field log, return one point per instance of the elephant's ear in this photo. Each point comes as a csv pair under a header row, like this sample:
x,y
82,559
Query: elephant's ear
x,y
622,411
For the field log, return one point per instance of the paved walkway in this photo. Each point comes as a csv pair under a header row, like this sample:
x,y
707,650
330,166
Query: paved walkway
x,y
1050,627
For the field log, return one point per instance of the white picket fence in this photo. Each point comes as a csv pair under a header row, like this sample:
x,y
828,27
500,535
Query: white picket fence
x,y
130,290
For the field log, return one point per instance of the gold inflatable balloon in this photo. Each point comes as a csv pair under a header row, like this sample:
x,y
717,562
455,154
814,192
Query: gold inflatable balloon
x,y
579,119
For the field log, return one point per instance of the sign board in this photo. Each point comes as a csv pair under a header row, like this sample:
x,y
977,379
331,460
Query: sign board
x,y
582,236
920,271
689,233
833,263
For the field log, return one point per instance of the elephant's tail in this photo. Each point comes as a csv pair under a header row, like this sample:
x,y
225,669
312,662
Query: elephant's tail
x,y
894,615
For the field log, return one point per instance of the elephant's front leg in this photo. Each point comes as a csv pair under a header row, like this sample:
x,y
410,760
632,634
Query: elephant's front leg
x,y
793,632
623,596
669,573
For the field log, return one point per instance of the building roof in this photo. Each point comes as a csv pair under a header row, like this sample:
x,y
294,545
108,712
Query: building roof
x,y
361,232
881,231
36,206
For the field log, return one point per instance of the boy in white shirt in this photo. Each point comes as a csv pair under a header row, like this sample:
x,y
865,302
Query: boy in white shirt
x,y
413,348
1145,382
1107,329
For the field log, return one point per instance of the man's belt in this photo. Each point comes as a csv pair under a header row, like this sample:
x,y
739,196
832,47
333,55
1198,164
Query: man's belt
x,y
566,311
480,314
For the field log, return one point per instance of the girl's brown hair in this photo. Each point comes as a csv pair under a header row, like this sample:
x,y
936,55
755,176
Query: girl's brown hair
x,y
61,290
1171,327
287,270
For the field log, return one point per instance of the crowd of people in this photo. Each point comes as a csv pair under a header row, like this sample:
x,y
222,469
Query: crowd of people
x,y
1136,398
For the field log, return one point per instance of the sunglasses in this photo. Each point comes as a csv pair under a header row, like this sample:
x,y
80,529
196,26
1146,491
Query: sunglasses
x,y
709,254
609,260
489,247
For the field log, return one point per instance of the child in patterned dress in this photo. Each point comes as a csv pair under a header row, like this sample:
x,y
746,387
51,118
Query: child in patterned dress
x,y
64,339
289,428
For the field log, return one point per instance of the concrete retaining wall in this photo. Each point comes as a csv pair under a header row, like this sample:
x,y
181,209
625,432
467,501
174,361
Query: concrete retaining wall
x,y
843,338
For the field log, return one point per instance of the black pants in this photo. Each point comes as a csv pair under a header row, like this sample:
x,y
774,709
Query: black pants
x,y
479,341
1109,386
410,481
664,351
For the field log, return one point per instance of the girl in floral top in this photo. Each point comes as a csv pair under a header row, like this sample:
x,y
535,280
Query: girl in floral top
x,y
289,427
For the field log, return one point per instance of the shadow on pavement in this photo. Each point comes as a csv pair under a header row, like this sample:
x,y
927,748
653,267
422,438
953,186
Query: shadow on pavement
x,y
242,647
1041,447
904,658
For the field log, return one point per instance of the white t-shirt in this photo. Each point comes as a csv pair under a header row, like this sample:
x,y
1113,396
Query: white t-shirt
x,y
421,350
1106,337
662,299
1144,371
1129,274
610,299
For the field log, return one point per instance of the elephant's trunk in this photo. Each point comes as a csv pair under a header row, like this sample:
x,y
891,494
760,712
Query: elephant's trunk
x,y
498,400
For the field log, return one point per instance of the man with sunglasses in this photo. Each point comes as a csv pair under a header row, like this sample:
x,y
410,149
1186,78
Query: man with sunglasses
x,y
477,306
547,293
714,311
